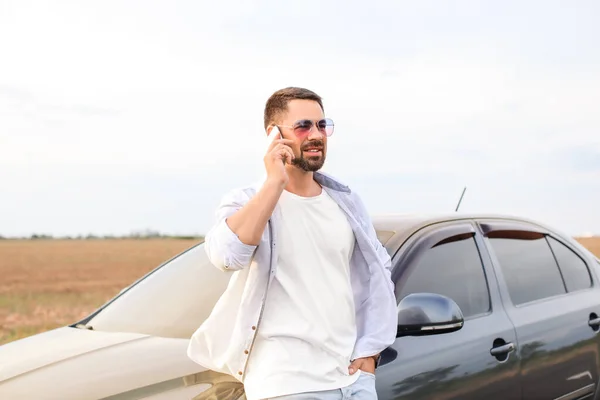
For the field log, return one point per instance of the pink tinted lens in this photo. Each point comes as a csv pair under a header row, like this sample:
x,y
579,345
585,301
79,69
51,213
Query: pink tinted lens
x,y
326,126
304,126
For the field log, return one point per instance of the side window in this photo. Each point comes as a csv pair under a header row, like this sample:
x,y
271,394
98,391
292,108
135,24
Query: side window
x,y
529,268
573,268
452,268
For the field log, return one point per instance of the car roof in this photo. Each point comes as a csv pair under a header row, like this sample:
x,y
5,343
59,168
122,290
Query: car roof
x,y
404,221
403,225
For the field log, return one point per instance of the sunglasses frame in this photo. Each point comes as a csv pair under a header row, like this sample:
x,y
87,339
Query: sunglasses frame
x,y
313,124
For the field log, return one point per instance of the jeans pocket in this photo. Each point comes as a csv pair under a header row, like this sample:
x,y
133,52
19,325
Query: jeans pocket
x,y
369,374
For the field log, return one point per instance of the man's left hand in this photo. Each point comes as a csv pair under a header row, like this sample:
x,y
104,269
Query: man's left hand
x,y
366,364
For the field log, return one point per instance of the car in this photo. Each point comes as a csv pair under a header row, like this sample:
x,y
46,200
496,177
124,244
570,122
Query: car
x,y
489,307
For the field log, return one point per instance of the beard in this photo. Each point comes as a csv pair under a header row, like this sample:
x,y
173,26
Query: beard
x,y
310,163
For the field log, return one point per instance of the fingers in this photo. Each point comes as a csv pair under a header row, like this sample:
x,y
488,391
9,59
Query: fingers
x,y
355,366
276,142
283,152
289,154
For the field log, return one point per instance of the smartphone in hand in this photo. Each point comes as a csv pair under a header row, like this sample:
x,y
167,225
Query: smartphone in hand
x,y
274,135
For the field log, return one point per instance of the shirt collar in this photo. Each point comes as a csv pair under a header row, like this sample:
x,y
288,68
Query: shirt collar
x,y
328,181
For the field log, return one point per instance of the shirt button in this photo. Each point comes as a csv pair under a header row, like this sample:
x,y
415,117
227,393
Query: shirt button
x,y
239,372
253,328
245,351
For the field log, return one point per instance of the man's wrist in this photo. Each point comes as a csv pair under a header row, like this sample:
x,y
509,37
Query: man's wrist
x,y
376,358
278,183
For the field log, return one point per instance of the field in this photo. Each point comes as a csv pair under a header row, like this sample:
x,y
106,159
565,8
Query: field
x,y
593,244
45,284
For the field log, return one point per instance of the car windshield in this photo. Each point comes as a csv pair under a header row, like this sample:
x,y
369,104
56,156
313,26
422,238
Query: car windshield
x,y
171,301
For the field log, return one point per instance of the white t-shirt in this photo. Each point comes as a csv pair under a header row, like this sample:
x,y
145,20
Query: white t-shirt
x,y
308,330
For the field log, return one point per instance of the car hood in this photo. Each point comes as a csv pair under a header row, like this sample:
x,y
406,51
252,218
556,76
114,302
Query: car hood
x,y
54,346
70,363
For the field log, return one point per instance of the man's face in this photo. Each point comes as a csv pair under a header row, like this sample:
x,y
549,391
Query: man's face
x,y
309,148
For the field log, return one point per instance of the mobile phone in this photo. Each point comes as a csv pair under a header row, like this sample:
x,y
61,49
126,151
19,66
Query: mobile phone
x,y
274,135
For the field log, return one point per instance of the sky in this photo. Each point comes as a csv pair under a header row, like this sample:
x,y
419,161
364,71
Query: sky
x,y
121,116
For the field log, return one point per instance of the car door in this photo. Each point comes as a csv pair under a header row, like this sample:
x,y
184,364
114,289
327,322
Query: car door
x,y
445,259
551,298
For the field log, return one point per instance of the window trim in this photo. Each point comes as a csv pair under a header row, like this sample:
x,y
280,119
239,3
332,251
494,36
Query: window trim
x,y
408,253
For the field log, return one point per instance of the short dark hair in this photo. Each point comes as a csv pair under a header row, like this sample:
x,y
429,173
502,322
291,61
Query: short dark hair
x,y
278,102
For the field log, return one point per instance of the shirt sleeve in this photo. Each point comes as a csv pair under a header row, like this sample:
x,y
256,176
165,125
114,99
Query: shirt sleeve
x,y
224,248
381,320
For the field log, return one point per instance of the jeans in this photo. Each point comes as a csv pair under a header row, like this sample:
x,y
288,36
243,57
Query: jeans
x,y
362,389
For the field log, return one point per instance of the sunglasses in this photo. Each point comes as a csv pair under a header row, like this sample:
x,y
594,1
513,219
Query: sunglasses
x,y
304,126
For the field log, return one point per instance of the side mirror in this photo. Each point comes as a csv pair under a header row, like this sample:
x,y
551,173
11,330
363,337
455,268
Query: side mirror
x,y
422,314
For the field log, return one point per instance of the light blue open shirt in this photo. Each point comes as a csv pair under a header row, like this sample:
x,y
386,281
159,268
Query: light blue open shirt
x,y
224,341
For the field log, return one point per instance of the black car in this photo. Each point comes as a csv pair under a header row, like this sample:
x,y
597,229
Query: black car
x,y
490,307
529,306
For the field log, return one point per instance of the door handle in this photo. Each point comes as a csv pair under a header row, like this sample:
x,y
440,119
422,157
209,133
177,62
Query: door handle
x,y
501,350
594,323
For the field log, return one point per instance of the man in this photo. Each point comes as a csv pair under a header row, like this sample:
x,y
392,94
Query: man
x,y
310,304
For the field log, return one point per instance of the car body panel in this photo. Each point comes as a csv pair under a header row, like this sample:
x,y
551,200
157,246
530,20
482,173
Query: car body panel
x,y
560,352
48,348
99,364
455,365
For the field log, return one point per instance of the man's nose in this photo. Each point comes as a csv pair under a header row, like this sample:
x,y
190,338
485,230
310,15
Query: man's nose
x,y
315,133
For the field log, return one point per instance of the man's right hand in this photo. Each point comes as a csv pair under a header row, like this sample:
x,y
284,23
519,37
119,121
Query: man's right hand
x,y
249,222
278,154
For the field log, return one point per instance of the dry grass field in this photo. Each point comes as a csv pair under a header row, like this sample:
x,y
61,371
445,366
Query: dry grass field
x,y
593,244
45,284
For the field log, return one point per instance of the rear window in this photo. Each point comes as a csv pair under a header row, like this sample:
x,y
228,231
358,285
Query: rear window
x,y
574,270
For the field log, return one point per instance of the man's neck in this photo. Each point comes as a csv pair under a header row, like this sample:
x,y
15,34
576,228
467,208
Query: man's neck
x,y
302,183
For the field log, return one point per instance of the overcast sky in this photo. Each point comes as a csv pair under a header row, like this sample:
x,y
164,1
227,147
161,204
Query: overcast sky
x,y
118,116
